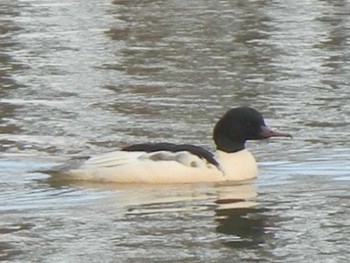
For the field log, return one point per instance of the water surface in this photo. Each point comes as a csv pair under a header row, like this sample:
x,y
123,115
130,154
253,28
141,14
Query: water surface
x,y
83,77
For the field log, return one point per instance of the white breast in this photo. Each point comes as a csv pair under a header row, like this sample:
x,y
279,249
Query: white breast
x,y
237,166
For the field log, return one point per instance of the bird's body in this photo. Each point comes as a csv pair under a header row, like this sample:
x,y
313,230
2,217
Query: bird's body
x,y
164,167
171,163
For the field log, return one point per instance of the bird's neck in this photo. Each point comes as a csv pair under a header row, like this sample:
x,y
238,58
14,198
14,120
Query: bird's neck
x,y
226,144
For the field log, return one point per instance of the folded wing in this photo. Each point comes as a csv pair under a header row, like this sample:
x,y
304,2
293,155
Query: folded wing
x,y
174,148
119,158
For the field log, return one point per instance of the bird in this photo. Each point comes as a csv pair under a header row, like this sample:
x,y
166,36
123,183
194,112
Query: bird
x,y
169,163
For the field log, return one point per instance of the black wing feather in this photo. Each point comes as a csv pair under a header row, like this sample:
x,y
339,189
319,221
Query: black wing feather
x,y
154,147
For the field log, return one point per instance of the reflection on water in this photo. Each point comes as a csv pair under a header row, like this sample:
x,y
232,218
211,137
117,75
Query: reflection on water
x,y
80,77
240,218
245,226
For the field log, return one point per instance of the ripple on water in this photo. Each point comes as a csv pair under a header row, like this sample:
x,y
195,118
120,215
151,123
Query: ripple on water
x,y
90,76
22,189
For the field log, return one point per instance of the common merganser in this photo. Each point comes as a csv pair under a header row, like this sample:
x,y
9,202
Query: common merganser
x,y
183,163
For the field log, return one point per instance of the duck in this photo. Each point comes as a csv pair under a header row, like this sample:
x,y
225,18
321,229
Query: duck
x,y
168,163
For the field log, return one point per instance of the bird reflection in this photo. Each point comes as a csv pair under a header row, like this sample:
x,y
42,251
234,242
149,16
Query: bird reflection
x,y
241,221
240,218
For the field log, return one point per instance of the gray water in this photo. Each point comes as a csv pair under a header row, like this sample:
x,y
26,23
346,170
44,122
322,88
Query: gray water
x,y
80,77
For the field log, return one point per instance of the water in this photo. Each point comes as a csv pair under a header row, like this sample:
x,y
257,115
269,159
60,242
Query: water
x,y
82,77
